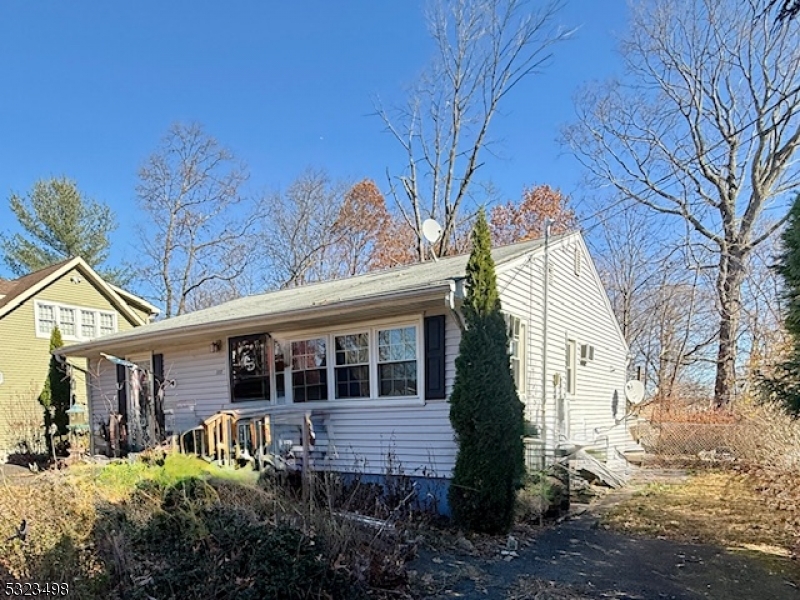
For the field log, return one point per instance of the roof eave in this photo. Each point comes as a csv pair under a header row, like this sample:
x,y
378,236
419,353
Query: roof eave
x,y
138,336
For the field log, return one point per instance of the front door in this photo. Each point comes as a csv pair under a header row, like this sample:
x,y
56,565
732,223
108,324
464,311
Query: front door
x,y
141,409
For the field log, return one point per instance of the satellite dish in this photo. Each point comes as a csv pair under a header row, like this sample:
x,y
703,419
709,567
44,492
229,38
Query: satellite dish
x,y
634,391
431,230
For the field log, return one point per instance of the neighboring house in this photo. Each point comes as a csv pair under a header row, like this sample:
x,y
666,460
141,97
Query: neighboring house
x,y
371,360
73,297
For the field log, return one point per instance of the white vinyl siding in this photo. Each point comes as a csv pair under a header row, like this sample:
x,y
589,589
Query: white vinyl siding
x,y
578,310
364,435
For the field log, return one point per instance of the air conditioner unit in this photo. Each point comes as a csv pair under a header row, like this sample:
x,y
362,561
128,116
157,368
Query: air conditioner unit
x,y
587,353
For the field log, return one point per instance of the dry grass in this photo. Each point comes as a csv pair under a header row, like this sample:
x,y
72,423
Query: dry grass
x,y
719,508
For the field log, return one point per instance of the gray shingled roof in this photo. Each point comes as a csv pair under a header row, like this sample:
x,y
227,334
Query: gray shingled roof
x,y
380,285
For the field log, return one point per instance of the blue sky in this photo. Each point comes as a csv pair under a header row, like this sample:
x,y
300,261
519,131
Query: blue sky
x,y
89,88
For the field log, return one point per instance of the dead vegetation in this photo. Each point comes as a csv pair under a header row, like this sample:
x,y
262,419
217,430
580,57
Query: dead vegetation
x,y
179,528
744,488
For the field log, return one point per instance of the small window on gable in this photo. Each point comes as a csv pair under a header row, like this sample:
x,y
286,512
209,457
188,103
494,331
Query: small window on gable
x,y
88,322
578,258
74,322
66,321
249,367
570,366
107,324
516,351
46,318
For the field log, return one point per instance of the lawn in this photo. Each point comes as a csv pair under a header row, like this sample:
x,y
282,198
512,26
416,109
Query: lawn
x,y
722,508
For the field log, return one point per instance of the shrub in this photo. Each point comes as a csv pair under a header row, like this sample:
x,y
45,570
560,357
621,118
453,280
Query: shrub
x,y
485,411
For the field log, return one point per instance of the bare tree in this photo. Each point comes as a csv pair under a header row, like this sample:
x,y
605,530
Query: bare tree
x,y
704,129
196,231
300,229
661,304
484,48
786,9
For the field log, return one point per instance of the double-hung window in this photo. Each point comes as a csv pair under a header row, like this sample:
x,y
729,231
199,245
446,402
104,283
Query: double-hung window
x,y
88,324
309,370
66,321
570,366
352,365
516,351
46,318
74,322
397,362
367,363
107,324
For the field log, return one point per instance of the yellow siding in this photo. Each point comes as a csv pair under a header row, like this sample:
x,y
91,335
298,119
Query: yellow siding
x,y
24,357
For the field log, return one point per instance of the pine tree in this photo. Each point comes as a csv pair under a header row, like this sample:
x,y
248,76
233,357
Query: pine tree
x,y
784,384
58,223
485,411
55,396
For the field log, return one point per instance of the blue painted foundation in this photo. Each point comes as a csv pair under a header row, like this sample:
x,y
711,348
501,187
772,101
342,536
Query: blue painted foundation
x,y
430,492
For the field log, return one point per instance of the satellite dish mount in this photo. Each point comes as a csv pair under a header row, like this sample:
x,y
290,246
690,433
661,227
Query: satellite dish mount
x,y
431,231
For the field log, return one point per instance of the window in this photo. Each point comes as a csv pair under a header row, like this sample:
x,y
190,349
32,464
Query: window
x,y
516,351
570,366
352,365
46,318
397,362
249,367
281,367
74,322
107,323
340,366
66,321
88,322
309,370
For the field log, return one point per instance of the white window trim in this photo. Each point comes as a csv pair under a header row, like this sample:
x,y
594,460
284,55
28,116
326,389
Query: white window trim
x,y
329,333
78,336
571,377
523,352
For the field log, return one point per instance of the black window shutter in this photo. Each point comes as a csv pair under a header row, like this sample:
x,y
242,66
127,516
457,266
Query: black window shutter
x,y
122,390
434,358
158,393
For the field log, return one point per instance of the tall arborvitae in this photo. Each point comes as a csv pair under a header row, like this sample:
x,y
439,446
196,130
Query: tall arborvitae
x,y
485,410
784,384
55,396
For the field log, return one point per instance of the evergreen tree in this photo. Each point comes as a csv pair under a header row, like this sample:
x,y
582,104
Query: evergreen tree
x,y
55,396
784,383
58,223
485,411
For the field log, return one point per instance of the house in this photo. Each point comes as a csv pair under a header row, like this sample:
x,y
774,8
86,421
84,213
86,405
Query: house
x,y
370,360
72,296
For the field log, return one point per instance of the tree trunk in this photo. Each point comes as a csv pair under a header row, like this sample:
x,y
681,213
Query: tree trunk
x,y
729,289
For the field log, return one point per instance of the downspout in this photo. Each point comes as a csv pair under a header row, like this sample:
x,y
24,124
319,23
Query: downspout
x,y
456,291
547,223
